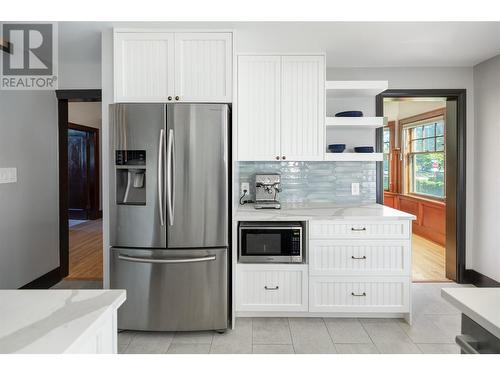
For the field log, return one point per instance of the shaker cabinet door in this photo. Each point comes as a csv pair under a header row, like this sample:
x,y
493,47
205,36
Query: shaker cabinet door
x,y
303,108
203,67
144,66
259,86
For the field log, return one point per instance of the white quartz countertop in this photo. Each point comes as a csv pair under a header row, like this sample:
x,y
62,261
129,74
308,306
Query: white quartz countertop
x,y
480,304
50,321
321,211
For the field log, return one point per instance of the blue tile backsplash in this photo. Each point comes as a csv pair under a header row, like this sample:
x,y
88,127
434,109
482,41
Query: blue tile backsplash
x,y
308,182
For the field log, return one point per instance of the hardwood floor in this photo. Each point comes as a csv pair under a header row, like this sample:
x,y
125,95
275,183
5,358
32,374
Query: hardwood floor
x,y
428,260
85,251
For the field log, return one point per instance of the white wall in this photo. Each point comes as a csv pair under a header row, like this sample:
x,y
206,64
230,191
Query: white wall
x,y
486,254
430,78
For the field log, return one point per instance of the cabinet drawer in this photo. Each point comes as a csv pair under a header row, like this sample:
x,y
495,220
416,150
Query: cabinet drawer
x,y
359,294
272,288
399,229
342,257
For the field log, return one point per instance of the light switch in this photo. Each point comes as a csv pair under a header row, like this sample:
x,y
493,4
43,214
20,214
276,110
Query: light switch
x,y
355,188
8,175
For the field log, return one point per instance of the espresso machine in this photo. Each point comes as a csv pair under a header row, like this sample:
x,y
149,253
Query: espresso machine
x,y
267,188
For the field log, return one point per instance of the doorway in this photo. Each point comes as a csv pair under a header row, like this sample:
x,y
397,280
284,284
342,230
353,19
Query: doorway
x,y
423,173
80,189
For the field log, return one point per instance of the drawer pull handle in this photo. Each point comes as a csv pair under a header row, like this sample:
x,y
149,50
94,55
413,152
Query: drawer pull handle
x,y
358,295
275,288
361,258
358,229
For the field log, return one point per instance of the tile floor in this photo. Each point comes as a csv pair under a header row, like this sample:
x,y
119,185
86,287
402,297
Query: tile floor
x,y
436,323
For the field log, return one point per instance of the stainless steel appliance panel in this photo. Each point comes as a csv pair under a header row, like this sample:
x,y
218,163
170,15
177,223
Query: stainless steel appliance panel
x,y
197,175
139,127
171,290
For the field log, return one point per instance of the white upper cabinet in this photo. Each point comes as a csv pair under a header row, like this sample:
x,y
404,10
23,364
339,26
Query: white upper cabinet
x,y
303,108
172,67
203,67
259,86
281,107
144,66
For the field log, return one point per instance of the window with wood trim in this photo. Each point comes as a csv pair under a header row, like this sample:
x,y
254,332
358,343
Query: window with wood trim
x,y
387,157
425,157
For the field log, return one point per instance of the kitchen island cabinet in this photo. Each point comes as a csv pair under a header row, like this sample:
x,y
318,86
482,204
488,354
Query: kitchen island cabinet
x,y
59,321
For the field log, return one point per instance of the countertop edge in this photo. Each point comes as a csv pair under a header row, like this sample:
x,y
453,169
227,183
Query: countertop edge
x,y
466,310
118,301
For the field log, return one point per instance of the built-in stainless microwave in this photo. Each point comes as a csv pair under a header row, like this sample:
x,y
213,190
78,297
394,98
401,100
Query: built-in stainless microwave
x,y
270,242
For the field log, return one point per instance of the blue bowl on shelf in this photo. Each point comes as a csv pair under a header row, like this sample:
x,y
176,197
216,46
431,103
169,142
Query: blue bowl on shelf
x,y
337,148
349,114
364,149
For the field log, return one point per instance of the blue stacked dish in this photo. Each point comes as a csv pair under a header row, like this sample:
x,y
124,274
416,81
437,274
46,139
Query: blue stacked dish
x,y
349,114
364,149
337,148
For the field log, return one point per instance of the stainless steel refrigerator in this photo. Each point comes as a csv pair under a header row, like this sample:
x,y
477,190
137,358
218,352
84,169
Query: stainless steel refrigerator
x,y
169,208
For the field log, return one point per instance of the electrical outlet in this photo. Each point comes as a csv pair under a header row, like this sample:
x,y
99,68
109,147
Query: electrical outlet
x,y
245,186
355,188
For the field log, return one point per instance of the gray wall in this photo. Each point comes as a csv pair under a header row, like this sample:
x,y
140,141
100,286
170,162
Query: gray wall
x,y
29,240
486,254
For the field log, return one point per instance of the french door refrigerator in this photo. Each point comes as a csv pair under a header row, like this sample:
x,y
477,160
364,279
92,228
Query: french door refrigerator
x,y
169,207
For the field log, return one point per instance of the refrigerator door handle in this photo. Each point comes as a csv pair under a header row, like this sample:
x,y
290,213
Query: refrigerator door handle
x,y
160,177
170,173
167,260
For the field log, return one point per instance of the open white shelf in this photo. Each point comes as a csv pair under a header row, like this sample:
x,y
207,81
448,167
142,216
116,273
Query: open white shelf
x,y
356,122
354,88
354,156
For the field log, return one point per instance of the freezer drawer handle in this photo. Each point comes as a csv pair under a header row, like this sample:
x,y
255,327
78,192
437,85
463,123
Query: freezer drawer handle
x,y
275,288
467,344
170,261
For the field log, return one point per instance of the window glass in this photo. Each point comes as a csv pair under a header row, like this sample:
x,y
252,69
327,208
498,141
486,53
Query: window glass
x,y
426,159
417,145
440,144
417,132
429,130
440,128
428,174
387,150
429,144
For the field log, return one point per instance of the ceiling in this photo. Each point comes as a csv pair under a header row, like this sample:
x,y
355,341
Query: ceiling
x,y
346,44
390,44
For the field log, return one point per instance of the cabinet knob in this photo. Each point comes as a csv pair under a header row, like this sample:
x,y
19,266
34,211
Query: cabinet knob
x,y
169,98
277,158
176,98
283,157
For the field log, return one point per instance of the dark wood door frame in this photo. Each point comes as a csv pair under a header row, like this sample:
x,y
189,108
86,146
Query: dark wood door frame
x,y
456,230
63,98
93,212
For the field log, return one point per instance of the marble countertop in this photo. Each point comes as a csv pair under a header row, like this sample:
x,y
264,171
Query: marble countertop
x,y
321,211
480,304
50,321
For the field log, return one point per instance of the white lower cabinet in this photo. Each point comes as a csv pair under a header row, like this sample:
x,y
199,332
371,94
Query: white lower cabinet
x,y
362,257
359,294
272,287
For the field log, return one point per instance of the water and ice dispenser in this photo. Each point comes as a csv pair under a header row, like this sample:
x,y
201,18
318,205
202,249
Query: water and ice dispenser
x,y
130,166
